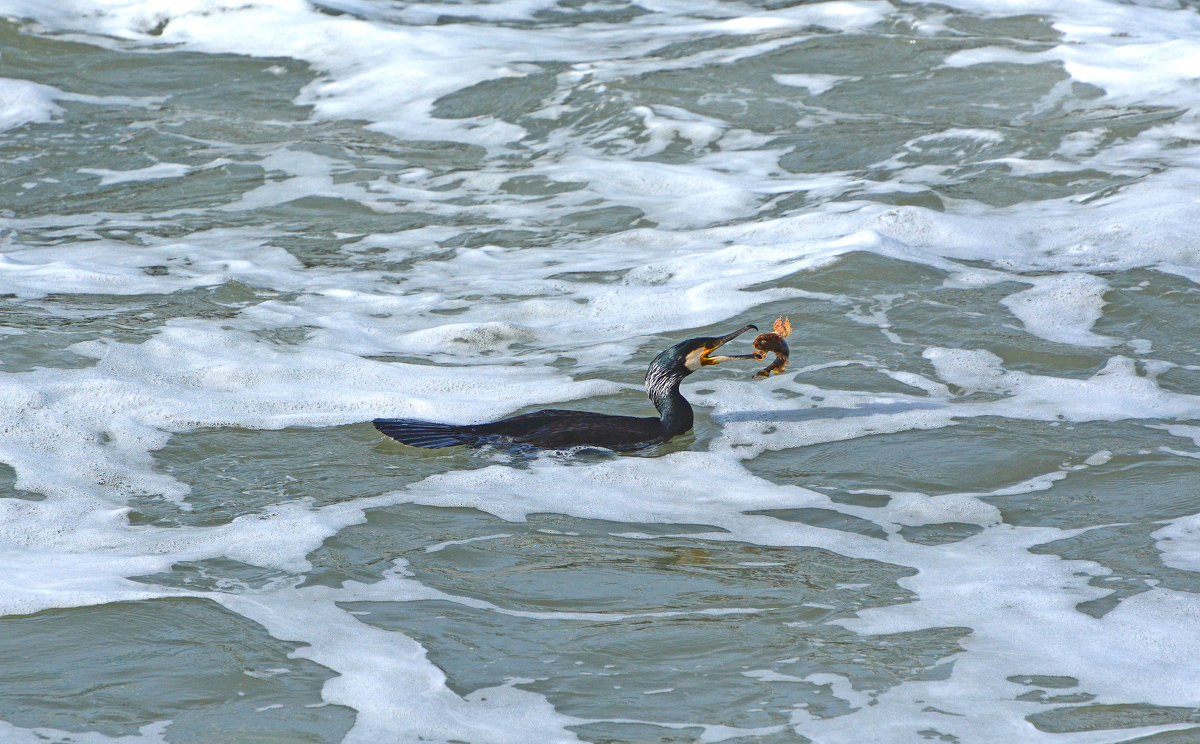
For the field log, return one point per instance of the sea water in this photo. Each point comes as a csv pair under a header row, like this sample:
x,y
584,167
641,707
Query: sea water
x,y
234,231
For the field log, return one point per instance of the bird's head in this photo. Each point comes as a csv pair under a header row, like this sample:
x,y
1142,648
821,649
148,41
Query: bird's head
x,y
686,357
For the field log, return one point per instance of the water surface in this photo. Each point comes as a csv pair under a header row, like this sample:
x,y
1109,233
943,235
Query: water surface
x,y
231,233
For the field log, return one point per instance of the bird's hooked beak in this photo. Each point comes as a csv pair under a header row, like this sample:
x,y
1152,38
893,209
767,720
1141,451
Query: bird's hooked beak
x,y
706,359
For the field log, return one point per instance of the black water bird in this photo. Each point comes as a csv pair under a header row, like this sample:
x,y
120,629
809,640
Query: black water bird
x,y
558,429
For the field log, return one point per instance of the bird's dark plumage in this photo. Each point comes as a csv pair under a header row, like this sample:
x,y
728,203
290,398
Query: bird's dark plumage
x,y
559,429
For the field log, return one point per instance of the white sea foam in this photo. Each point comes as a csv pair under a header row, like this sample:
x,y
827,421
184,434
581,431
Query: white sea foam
x,y
152,733
1179,543
84,437
149,173
112,268
390,74
680,196
755,418
1132,53
1062,308
989,583
23,102
816,84
1025,596
26,102
85,432
667,124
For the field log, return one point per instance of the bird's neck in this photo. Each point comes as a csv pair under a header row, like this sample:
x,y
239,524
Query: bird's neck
x,y
673,409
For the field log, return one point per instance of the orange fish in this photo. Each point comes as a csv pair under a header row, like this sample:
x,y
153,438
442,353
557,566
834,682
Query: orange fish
x,y
774,342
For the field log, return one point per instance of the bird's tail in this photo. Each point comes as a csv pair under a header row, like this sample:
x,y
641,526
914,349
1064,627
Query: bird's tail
x,y
426,434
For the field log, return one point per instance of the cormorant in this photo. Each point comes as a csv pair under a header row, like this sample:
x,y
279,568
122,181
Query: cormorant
x,y
557,429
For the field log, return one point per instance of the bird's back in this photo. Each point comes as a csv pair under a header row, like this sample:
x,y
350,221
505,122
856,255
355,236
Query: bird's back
x,y
553,428
548,429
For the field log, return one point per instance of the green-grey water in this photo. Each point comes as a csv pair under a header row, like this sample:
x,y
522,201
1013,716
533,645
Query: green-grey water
x,y
233,233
